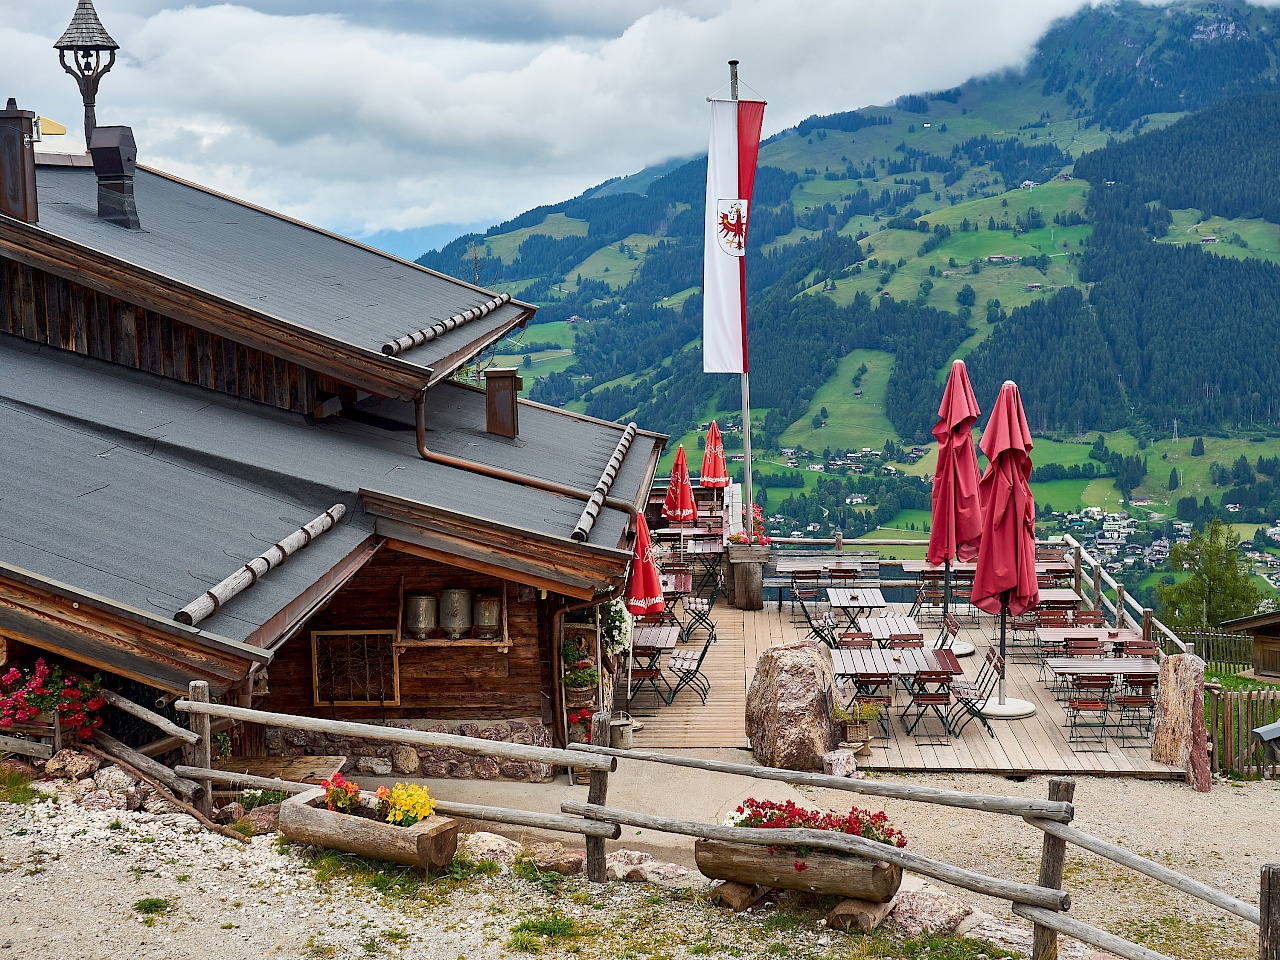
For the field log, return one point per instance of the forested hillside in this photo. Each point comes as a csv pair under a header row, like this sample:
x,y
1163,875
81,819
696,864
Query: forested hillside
x,y
899,229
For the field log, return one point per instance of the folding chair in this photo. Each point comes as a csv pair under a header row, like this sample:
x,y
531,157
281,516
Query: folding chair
x,y
876,688
1085,714
806,582
971,696
687,668
644,670
1135,714
901,642
1138,648
1088,618
930,693
950,631
697,611
822,626
854,640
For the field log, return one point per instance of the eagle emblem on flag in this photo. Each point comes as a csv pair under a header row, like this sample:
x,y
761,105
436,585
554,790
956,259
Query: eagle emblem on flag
x,y
732,231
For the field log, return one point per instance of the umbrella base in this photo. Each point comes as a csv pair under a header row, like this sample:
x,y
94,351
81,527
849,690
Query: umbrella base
x,y
961,648
1013,709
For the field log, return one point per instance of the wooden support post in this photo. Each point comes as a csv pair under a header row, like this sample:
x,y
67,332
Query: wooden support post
x,y
596,793
1148,632
199,693
1269,906
1077,561
1097,586
1053,854
1119,606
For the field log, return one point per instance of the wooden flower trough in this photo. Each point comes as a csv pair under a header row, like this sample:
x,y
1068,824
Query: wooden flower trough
x,y
428,844
853,877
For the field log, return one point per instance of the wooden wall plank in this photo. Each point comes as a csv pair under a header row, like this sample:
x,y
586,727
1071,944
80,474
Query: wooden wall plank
x,y
40,298
224,352
79,338
27,300
149,354
202,342
8,295
124,333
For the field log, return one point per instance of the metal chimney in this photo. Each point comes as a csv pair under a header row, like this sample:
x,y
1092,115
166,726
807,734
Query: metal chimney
x,y
115,159
502,410
18,163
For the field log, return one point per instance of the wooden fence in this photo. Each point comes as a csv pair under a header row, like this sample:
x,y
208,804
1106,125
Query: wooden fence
x,y
1222,652
1044,903
1231,716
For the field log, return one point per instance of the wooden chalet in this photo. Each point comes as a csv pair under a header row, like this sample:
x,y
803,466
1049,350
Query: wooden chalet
x,y
187,387
1264,630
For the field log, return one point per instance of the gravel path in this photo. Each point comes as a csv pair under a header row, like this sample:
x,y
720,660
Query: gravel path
x,y
72,878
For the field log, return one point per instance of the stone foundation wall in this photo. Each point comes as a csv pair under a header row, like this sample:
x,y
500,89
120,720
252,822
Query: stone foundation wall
x,y
379,758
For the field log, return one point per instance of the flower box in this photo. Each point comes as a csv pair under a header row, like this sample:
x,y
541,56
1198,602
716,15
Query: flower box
x,y
428,844
748,552
821,872
580,696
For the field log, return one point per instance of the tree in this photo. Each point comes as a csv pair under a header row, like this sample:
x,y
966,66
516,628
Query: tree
x,y
526,361
823,413
1173,479
1197,447
966,297
1219,587
817,422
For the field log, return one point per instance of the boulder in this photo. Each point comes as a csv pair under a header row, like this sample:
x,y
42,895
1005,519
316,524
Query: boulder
x,y
555,858
103,800
374,766
1179,735
229,813
789,706
115,780
71,765
404,760
921,911
861,915
840,763
489,846
636,867
265,819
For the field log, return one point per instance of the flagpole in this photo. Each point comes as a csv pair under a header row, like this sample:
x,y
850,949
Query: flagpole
x,y
748,504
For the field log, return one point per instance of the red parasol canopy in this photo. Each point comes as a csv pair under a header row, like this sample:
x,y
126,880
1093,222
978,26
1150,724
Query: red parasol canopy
x,y
714,471
1007,561
644,591
679,506
957,514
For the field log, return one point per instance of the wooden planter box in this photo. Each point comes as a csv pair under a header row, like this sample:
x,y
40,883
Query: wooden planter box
x,y
856,877
748,552
429,844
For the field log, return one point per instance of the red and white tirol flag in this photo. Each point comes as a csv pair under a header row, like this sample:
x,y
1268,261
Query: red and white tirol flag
x,y
731,173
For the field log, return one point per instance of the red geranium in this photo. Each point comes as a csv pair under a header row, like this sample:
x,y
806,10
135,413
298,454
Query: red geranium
x,y
26,695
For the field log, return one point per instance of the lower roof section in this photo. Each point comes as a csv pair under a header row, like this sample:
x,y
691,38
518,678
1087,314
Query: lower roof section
x,y
147,492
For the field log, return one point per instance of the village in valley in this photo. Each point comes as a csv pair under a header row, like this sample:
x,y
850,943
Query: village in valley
x,y
354,605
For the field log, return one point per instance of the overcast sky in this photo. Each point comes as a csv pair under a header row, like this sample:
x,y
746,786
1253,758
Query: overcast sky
x,y
374,117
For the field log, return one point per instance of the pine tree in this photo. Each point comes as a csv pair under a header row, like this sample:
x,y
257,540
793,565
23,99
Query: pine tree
x,y
1197,447
1173,479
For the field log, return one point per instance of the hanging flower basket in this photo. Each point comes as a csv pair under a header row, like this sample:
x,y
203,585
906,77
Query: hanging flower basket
x,y
580,696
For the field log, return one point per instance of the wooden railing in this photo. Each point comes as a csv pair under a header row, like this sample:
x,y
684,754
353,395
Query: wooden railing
x,y
1043,903
1231,716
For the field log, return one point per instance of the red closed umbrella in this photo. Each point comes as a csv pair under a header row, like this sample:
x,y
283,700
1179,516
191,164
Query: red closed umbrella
x,y
956,527
714,471
679,506
1005,581
644,590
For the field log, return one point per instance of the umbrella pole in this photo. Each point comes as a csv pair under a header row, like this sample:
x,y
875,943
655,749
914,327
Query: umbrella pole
x,y
946,588
1004,613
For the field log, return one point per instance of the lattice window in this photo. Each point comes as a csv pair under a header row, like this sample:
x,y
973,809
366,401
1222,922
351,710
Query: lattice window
x,y
355,668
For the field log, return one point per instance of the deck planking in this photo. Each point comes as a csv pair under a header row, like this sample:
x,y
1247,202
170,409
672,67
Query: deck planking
x,y
1035,745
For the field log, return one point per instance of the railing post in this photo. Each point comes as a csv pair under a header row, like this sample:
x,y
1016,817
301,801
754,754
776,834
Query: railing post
x,y
1269,906
1147,630
1053,855
597,792
1097,585
203,748
1077,562
1119,606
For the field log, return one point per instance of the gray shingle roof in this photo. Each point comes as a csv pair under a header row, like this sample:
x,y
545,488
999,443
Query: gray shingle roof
x,y
269,264
85,30
147,491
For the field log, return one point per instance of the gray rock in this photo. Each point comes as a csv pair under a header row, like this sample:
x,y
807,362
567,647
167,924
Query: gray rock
x,y
1179,735
229,813
555,858
489,846
264,819
71,765
405,760
789,706
637,867
114,780
374,766
485,768
920,911
840,763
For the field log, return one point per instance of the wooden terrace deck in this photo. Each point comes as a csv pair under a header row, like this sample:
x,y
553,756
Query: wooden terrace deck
x,y
1036,745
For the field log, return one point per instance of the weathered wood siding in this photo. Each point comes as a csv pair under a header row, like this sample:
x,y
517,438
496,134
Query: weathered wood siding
x,y
47,309
444,683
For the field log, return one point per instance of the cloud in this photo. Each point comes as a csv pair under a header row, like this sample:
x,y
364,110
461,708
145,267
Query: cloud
x,y
395,115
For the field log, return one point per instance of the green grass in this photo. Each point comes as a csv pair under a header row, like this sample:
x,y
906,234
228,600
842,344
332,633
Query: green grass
x,y
504,246
1062,495
612,266
396,882
903,522
853,422
152,906
1262,237
15,787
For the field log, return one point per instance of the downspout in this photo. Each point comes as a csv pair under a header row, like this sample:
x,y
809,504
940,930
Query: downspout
x,y
497,473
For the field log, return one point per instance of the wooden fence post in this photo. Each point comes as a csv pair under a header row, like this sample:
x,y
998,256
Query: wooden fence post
x,y
1119,606
1053,854
1077,561
1147,630
203,748
1269,905
1097,586
597,792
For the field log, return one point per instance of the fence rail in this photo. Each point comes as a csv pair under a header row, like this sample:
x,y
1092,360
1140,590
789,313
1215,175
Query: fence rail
x,y
1223,652
1231,716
